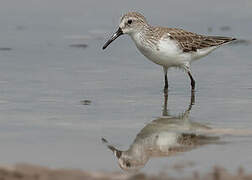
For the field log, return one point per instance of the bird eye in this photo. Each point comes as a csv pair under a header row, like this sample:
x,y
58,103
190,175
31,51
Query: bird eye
x,y
129,21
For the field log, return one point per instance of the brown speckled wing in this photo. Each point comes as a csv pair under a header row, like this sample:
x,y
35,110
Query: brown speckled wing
x,y
190,42
189,139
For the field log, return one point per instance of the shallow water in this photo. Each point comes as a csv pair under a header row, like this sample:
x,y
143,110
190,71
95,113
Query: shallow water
x,y
60,93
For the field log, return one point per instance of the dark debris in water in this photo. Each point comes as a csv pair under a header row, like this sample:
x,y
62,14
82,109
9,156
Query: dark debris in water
x,y
83,46
104,140
86,102
5,49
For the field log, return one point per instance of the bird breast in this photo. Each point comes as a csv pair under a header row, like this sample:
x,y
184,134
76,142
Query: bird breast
x,y
164,52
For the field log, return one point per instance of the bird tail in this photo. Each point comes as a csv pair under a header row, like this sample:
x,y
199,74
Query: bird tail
x,y
221,40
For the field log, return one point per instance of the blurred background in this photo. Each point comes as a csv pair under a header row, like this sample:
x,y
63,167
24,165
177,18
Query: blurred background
x,y
60,92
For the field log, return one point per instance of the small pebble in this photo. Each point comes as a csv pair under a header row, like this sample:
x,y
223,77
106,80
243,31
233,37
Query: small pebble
x,y
86,102
5,49
78,46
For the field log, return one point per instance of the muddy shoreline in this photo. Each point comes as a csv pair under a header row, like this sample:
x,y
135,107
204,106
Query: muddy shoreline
x,y
34,172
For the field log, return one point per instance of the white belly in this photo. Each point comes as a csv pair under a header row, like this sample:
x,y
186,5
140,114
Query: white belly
x,y
165,53
168,54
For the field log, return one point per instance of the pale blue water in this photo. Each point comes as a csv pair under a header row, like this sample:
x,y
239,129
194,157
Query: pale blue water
x,y
43,81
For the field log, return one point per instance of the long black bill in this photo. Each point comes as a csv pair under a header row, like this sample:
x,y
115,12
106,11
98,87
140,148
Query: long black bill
x,y
115,35
116,152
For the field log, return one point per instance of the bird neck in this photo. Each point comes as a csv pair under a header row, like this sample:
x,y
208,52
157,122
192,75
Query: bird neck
x,y
144,37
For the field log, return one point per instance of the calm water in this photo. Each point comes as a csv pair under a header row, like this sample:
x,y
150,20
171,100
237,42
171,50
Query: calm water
x,y
51,63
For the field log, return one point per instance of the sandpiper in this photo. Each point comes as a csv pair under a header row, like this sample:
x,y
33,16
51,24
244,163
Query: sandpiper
x,y
168,47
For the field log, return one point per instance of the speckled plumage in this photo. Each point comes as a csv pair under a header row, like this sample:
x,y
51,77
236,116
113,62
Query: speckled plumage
x,y
187,41
168,47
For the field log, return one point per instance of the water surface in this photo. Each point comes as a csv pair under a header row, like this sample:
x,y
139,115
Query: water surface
x,y
60,93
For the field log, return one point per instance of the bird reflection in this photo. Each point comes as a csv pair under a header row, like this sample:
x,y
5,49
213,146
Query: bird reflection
x,y
165,136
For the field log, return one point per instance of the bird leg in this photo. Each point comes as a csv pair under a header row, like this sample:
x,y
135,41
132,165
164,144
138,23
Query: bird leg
x,y
192,80
166,80
165,110
192,102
